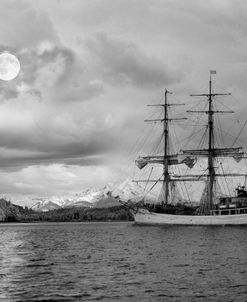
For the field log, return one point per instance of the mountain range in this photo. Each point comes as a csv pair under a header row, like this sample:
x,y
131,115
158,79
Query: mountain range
x,y
105,197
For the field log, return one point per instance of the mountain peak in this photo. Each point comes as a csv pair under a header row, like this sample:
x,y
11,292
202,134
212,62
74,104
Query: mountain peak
x,y
94,197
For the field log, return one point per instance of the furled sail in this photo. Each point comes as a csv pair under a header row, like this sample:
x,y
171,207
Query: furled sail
x,y
176,159
235,153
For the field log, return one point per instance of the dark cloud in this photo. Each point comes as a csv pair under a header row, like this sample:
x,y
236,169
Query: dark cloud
x,y
123,62
58,74
33,133
14,163
53,60
52,73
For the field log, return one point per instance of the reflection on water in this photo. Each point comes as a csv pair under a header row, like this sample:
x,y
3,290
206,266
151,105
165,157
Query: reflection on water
x,y
10,262
119,261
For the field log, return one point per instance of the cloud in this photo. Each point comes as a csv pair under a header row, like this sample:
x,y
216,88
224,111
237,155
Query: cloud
x,y
43,179
49,69
123,62
89,68
50,134
23,26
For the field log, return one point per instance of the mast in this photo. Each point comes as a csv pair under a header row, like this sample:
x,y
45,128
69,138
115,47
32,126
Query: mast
x,y
166,151
211,171
166,159
211,152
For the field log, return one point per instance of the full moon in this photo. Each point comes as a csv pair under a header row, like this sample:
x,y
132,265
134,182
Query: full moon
x,y
9,66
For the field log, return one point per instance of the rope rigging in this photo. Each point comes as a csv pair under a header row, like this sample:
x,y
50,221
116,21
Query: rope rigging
x,y
174,145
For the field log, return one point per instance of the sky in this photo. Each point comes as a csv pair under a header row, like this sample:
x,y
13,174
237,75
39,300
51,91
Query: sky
x,y
70,119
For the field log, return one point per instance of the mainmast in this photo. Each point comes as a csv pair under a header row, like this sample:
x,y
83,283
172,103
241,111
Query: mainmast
x,y
166,153
211,170
212,152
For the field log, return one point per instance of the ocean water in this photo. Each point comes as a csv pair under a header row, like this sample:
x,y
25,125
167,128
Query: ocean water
x,y
122,262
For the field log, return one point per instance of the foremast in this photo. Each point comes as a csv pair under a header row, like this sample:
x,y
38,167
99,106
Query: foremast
x,y
166,159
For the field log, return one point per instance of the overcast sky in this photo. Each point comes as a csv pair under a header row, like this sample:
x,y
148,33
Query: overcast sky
x,y
69,121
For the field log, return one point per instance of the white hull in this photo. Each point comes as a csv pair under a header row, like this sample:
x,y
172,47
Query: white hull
x,y
144,217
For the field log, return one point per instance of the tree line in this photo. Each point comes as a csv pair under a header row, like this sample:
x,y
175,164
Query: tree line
x,y
14,213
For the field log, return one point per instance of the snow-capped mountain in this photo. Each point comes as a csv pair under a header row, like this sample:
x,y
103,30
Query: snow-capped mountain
x,y
129,191
107,196
44,205
88,198
93,195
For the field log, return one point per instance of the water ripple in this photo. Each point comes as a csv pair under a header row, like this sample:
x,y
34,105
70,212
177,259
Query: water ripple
x,y
121,262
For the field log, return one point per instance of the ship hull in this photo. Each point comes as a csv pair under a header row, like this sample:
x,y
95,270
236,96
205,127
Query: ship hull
x,y
144,217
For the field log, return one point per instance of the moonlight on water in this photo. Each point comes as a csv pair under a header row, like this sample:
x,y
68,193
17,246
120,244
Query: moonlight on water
x,y
9,66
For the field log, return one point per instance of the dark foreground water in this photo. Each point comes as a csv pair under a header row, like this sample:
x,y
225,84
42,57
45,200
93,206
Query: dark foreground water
x,y
122,262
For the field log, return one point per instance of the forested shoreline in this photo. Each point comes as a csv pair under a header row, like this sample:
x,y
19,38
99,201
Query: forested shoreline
x,y
14,213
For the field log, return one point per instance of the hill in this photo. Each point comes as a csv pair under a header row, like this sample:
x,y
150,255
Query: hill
x,y
12,213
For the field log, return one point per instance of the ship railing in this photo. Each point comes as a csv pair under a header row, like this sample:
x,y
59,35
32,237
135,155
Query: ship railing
x,y
229,211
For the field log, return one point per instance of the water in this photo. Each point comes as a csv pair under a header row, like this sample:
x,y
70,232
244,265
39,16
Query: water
x,y
122,262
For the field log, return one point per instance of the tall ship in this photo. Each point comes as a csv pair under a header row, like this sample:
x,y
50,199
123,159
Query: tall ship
x,y
214,207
